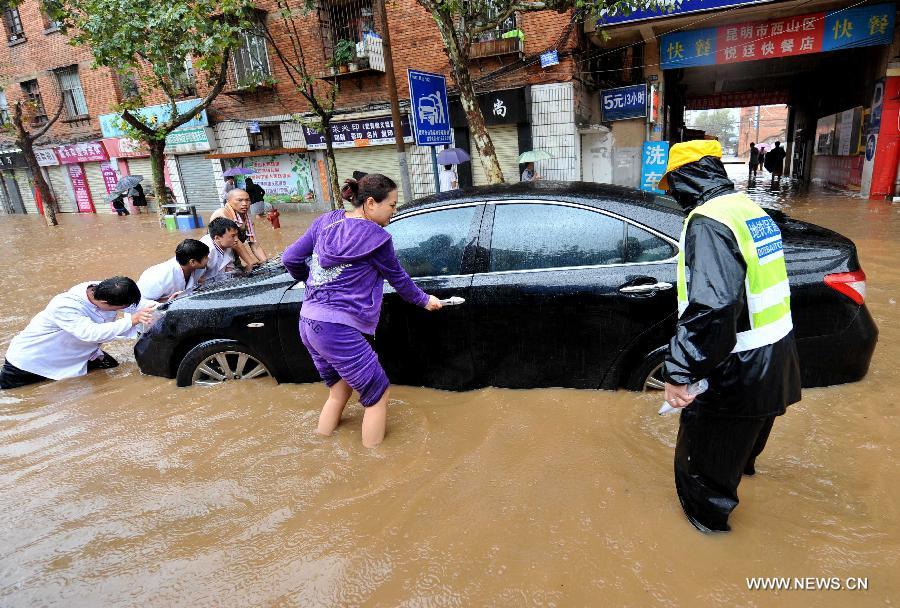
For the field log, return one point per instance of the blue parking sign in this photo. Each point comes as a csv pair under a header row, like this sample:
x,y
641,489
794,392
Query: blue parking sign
x,y
654,159
430,110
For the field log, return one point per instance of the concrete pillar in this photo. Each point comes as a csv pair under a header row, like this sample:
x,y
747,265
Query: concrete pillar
x,y
887,150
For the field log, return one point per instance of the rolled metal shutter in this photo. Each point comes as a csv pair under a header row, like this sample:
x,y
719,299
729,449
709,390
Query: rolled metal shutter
x,y
198,182
506,147
97,187
61,190
24,183
372,159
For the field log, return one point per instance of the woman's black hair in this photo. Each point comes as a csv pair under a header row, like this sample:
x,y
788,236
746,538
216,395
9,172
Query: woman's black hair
x,y
117,291
373,185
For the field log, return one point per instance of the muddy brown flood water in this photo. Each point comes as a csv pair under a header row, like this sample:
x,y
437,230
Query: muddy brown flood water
x,y
122,490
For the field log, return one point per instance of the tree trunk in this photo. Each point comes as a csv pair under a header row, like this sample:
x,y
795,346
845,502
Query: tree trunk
x,y
40,183
331,166
459,63
157,160
25,143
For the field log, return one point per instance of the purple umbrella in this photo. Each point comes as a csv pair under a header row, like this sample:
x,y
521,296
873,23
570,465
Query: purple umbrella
x,y
452,156
238,171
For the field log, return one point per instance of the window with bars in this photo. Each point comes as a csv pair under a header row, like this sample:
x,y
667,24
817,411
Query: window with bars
x,y
268,138
4,109
345,24
251,61
73,94
32,93
507,25
12,23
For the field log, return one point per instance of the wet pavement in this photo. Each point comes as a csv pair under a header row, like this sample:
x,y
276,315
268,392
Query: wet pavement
x,y
121,490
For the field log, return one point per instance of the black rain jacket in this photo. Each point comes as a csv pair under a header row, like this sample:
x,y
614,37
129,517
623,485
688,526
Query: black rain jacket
x,y
756,383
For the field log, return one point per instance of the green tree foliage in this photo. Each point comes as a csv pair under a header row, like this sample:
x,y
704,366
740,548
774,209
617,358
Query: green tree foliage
x,y
152,41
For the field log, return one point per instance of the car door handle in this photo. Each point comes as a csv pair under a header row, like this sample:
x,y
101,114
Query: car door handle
x,y
646,287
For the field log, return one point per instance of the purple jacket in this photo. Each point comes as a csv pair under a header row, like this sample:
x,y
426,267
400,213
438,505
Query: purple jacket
x,y
344,262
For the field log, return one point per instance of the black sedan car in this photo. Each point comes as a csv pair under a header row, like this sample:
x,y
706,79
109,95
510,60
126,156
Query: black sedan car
x,y
565,284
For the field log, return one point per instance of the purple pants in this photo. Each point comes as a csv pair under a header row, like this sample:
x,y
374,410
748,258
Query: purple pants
x,y
341,352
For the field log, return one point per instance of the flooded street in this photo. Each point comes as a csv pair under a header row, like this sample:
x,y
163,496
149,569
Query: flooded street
x,y
118,489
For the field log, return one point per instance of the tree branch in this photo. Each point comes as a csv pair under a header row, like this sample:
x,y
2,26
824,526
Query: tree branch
x,y
179,119
40,132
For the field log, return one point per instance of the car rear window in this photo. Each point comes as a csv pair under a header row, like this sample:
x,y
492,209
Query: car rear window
x,y
432,244
535,236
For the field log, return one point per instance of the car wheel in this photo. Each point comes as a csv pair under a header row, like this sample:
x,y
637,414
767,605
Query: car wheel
x,y
647,377
216,361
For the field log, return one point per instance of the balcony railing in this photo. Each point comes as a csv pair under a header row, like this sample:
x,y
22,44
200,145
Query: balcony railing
x,y
496,47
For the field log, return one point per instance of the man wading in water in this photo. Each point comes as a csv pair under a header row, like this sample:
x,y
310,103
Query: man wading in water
x,y
734,330
344,257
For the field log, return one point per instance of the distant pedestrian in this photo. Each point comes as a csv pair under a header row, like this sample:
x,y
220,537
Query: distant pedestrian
x,y
257,198
272,215
118,204
228,187
345,257
762,157
775,161
138,198
754,160
529,174
448,179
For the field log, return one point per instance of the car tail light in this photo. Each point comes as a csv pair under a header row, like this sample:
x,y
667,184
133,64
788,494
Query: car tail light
x,y
851,284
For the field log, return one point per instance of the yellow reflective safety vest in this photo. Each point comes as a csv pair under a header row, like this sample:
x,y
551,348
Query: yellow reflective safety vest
x,y
766,283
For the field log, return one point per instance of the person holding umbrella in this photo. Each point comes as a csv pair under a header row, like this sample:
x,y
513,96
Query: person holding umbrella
x,y
138,198
528,159
447,177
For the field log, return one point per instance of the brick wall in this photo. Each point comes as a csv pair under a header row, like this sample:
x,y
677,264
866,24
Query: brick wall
x,y
42,51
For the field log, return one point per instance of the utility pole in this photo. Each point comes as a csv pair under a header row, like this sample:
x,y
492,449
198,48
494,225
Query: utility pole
x,y
757,125
395,103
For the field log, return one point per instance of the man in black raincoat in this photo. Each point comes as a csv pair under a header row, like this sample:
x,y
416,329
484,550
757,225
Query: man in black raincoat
x,y
734,330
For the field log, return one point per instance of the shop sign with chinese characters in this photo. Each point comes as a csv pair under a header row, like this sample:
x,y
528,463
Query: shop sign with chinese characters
x,y
359,133
623,103
787,37
654,159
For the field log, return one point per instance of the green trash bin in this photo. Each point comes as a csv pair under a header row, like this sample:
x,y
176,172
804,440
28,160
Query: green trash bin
x,y
170,222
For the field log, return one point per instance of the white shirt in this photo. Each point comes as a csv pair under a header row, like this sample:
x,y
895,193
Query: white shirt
x,y
161,281
59,340
220,262
447,177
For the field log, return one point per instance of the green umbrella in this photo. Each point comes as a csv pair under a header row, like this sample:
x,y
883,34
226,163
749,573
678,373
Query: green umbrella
x,y
533,156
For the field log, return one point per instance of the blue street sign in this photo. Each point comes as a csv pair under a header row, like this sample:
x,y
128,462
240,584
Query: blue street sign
x,y
617,15
430,110
654,160
623,103
549,58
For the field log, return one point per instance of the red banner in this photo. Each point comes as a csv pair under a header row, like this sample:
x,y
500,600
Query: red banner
x,y
80,186
85,152
770,39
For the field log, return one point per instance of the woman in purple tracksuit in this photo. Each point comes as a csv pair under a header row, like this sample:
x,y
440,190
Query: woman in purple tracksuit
x,y
344,257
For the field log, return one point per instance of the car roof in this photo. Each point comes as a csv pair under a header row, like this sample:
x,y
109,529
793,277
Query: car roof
x,y
654,210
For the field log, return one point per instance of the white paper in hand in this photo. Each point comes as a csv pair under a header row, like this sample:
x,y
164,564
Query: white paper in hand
x,y
454,301
696,388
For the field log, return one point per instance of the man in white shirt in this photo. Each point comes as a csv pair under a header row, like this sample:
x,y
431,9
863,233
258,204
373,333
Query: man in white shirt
x,y
167,280
448,179
64,339
222,237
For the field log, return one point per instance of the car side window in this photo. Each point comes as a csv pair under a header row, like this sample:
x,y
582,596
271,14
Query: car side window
x,y
643,246
432,244
534,236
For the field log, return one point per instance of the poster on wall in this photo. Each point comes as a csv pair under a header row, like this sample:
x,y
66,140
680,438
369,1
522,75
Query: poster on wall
x,y
286,178
80,187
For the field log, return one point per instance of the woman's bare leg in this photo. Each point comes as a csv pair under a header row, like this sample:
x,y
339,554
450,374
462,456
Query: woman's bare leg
x,y
334,407
374,422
